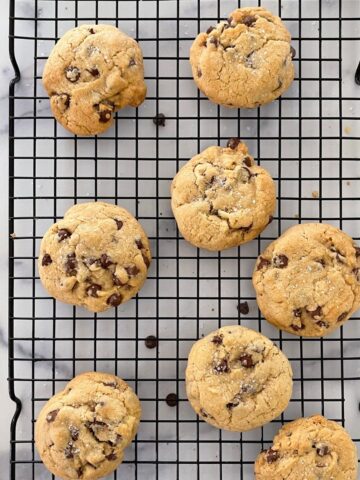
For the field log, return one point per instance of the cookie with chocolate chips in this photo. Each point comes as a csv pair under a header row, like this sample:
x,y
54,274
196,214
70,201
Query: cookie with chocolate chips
x,y
97,256
93,71
82,431
237,379
221,198
307,281
308,449
244,61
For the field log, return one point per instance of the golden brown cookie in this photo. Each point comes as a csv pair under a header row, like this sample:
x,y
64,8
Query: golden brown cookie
x,y
221,199
93,71
82,432
237,379
97,256
245,61
307,281
310,448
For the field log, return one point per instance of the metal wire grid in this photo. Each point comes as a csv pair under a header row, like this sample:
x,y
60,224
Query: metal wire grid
x,y
189,292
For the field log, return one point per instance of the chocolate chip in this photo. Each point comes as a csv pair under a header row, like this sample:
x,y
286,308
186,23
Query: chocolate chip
x,y
222,366
114,300
217,339
116,281
94,71
292,51
214,41
229,20
246,160
263,263
297,312
271,218
342,316
199,72
248,20
356,272
110,384
246,360
70,450
105,116
63,100
243,308
232,405
50,417
233,143
111,457
46,260
132,270
321,323
92,31
322,449
105,261
272,455
74,432
172,399
104,109
139,243
210,29
146,260
71,264
72,74
119,223
63,233
93,289
203,413
159,120
151,341
316,313
296,328
80,470
357,252
132,62
281,261
246,229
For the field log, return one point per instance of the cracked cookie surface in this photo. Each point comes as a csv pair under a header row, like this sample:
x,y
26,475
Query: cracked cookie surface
x,y
307,281
237,379
93,71
82,432
245,61
221,199
310,448
97,256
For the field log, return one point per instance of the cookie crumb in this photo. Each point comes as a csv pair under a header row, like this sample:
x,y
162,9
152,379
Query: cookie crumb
x,y
347,129
315,194
13,235
348,183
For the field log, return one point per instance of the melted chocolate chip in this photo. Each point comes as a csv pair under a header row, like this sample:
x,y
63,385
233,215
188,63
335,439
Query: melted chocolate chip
x,y
292,51
93,289
203,413
111,457
146,260
263,263
70,265
210,29
243,308
114,300
132,270
296,328
233,404
104,109
92,31
46,260
248,20
70,450
172,399
151,341
297,312
217,339
233,143
214,41
63,100
80,470
271,218
322,449
246,229
247,161
110,384
105,261
356,272
246,360
105,116
316,313
221,366
116,281
272,455
357,252
72,74
342,316
50,417
159,120
63,233
132,62
281,261
94,71
199,72
119,223
74,432
139,243
321,323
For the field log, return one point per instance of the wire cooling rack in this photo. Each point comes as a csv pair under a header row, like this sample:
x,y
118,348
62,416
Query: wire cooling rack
x,y
308,140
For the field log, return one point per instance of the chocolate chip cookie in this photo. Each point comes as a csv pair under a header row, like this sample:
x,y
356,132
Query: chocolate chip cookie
x,y
237,379
307,281
82,432
221,199
244,61
93,71
97,256
309,449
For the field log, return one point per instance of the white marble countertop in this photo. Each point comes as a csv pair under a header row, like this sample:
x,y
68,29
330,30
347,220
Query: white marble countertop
x,y
350,128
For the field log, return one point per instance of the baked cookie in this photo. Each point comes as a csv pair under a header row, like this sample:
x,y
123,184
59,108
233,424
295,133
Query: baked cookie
x,y
221,199
310,448
244,61
237,379
82,432
92,71
97,256
307,281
